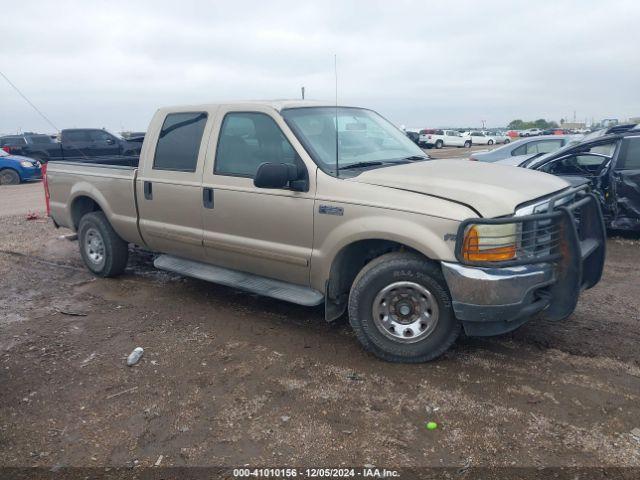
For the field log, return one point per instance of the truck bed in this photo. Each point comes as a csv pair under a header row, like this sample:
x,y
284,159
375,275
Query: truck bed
x,y
106,183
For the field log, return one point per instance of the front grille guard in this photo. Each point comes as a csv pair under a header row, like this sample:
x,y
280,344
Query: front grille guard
x,y
575,235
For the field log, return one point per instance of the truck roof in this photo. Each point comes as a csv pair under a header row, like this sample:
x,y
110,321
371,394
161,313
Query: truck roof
x,y
277,105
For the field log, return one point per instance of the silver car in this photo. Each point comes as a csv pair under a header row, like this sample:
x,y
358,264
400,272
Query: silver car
x,y
525,146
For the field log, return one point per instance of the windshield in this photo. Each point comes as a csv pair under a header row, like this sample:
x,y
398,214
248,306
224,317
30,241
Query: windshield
x,y
363,137
3,153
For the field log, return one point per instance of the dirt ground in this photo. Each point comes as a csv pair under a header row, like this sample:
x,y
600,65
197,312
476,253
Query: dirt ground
x,y
229,378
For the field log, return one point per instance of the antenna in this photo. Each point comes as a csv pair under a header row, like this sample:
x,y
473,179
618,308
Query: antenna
x,y
335,71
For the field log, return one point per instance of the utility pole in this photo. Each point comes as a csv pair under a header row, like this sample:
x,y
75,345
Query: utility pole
x,y
302,89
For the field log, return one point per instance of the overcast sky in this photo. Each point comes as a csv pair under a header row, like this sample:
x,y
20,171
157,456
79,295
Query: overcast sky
x,y
455,63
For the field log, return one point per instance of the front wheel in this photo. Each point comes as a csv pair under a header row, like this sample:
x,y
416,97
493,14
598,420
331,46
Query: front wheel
x,y
400,309
103,251
467,144
9,177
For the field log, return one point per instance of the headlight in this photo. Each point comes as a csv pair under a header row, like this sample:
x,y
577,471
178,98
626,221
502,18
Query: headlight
x,y
26,164
490,243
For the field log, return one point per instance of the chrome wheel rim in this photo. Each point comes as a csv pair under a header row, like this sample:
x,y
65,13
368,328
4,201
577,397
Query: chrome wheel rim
x,y
405,312
94,246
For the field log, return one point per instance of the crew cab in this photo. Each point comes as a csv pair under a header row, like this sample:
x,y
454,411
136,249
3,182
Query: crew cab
x,y
322,205
443,138
73,144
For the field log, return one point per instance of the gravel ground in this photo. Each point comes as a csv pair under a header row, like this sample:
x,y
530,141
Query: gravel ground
x,y
229,378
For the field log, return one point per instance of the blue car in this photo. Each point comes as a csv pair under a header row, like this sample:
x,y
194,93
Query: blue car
x,y
15,169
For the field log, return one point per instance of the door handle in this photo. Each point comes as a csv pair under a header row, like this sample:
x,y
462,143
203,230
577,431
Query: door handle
x,y
207,197
148,190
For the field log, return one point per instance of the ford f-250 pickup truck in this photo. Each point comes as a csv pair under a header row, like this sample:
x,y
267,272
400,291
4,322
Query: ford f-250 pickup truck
x,y
317,204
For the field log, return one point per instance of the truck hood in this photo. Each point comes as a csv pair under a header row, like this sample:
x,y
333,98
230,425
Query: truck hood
x,y
490,189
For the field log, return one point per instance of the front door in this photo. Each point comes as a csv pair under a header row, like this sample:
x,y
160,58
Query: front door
x,y
103,143
626,181
169,186
267,232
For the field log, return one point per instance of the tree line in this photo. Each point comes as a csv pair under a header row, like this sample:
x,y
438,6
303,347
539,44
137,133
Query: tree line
x,y
540,123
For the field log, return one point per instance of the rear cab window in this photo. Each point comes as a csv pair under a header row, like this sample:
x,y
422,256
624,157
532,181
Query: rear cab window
x,y
179,142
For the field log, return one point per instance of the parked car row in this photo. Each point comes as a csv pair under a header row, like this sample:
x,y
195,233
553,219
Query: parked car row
x,y
74,143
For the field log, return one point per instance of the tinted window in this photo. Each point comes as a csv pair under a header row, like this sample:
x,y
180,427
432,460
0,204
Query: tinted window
x,y
76,136
179,142
249,139
630,155
13,141
99,135
40,139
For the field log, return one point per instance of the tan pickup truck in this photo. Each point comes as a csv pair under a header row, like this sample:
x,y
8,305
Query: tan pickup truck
x,y
273,198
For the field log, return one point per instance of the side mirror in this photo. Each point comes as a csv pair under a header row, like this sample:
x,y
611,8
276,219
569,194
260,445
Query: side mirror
x,y
110,141
280,175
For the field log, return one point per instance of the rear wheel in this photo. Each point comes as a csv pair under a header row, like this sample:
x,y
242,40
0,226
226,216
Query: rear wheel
x,y
400,309
467,144
439,144
103,251
9,177
490,142
507,141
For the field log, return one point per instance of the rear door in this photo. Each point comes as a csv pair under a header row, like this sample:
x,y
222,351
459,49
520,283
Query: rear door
x,y
169,184
267,232
626,184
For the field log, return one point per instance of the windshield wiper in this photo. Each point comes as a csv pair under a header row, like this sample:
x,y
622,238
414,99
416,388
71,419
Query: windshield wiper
x,y
415,158
361,165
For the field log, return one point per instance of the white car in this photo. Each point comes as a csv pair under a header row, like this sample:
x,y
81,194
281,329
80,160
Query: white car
x,y
443,138
481,138
500,137
531,132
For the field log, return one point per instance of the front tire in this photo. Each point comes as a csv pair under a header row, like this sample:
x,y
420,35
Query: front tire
x,y
104,253
400,309
9,176
467,144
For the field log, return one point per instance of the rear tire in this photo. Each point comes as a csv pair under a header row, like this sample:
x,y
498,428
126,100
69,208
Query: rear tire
x,y
104,253
507,141
9,176
400,309
467,144
439,144
490,142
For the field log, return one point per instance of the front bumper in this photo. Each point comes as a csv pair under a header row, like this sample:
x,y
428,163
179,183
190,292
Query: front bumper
x,y
495,299
491,301
30,174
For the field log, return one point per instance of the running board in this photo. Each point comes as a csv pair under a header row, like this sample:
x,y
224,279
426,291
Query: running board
x,y
268,287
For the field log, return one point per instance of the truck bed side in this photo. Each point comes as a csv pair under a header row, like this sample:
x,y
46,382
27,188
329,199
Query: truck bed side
x,y
76,188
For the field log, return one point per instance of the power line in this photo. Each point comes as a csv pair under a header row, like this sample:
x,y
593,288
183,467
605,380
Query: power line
x,y
29,102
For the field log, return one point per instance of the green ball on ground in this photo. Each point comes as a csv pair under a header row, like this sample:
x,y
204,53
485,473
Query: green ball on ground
x,y
432,425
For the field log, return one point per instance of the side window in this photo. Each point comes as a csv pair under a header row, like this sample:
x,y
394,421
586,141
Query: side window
x,y
76,136
179,142
585,165
248,140
521,150
544,146
99,135
630,155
